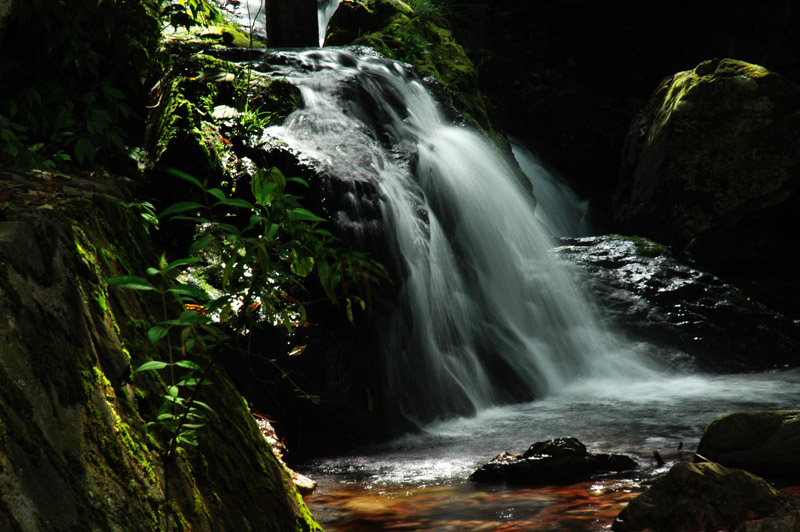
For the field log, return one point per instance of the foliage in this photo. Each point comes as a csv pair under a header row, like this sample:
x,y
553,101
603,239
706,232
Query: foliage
x,y
187,13
247,255
71,78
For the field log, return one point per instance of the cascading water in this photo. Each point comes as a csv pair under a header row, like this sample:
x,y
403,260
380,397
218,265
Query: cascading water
x,y
325,9
558,207
485,314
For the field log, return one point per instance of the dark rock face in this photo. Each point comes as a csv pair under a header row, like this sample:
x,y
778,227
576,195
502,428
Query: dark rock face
x,y
712,166
559,460
73,451
709,497
648,292
765,443
292,23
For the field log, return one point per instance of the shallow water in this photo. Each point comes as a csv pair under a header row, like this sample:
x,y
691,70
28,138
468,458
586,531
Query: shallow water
x,y
418,482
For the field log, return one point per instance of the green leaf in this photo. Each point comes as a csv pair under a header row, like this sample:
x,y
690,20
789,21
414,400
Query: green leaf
x,y
173,391
301,265
181,206
84,151
217,193
188,290
202,405
236,202
267,186
153,365
156,333
180,262
188,364
299,180
186,177
200,244
131,282
303,214
186,319
273,229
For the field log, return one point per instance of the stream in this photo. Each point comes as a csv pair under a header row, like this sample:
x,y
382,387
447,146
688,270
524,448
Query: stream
x,y
419,482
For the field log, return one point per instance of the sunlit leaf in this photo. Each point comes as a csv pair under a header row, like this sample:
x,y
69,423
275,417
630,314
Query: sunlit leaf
x,y
132,282
152,365
156,333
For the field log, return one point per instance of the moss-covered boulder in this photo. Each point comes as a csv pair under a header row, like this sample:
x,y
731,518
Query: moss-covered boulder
x,y
73,452
766,442
709,497
712,165
420,38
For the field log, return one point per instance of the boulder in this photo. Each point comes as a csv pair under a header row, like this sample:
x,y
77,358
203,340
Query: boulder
x,y
558,460
765,443
712,166
354,18
657,296
709,497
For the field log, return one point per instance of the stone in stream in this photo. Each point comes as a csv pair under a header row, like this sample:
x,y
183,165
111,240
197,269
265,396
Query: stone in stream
x,y
558,460
708,496
764,442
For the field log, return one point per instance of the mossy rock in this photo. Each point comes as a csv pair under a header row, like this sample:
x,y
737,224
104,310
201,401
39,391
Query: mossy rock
x,y
712,166
762,442
714,143
393,29
709,497
73,451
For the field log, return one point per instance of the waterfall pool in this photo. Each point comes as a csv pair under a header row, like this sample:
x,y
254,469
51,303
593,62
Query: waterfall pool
x,y
418,482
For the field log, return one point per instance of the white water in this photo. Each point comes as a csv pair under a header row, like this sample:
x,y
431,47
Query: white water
x,y
558,207
485,316
631,418
325,9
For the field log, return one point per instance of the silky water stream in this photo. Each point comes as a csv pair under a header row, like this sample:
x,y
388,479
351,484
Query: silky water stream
x,y
489,346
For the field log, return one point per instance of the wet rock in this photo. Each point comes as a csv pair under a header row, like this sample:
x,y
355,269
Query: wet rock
x,y
765,443
657,296
712,166
709,497
558,460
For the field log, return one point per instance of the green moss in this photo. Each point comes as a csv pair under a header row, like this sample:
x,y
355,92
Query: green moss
x,y
646,247
433,51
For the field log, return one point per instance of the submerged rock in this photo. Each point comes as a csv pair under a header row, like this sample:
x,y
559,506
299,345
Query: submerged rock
x,y
558,460
654,295
712,166
765,443
709,497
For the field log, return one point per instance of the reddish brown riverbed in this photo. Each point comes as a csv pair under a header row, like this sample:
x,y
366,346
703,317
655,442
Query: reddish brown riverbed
x,y
585,506
464,507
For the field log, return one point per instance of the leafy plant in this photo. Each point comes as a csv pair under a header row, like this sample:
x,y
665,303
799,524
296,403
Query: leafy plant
x,y
190,338
247,255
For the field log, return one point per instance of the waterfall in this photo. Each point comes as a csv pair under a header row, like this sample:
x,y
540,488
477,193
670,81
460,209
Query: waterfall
x,y
558,208
485,315
325,9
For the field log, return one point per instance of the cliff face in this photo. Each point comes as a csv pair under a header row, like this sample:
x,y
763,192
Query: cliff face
x,y
73,454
